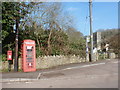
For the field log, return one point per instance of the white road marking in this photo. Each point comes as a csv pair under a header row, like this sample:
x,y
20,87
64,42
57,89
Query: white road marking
x,y
70,68
83,66
49,72
25,79
81,76
38,77
115,62
44,79
108,59
8,83
17,80
28,82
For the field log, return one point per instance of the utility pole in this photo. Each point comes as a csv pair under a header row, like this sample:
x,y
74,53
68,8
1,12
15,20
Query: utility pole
x,y
87,49
91,33
16,46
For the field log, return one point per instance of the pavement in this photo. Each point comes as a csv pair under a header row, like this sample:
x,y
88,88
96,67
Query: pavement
x,y
103,73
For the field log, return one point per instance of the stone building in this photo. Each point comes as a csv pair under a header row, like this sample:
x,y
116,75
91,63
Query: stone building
x,y
97,40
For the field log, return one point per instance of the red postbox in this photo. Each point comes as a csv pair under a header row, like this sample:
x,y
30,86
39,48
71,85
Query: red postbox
x,y
28,55
9,55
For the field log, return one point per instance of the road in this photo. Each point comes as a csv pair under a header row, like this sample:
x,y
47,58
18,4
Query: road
x,y
101,74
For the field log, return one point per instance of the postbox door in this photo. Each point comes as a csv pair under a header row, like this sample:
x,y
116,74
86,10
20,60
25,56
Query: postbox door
x,y
9,55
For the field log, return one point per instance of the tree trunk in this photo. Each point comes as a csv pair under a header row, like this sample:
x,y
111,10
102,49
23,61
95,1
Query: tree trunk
x,y
38,43
49,46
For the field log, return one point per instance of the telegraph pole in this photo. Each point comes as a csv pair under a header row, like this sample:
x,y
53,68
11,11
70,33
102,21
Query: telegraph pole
x,y
16,46
91,33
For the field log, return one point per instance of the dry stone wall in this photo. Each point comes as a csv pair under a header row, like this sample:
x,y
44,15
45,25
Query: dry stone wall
x,y
49,61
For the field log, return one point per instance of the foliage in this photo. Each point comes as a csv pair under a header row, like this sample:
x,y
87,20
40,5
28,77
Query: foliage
x,y
53,33
11,12
4,57
111,36
59,42
76,42
114,43
107,34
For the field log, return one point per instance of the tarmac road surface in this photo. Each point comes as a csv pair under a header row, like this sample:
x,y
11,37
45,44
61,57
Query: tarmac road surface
x,y
101,74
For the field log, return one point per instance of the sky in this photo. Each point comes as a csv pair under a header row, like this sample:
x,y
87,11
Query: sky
x,y
104,14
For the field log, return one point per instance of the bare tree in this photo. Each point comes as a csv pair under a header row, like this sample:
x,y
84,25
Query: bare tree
x,y
49,16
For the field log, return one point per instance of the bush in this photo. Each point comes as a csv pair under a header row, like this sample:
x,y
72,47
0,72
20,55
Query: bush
x,y
38,52
4,57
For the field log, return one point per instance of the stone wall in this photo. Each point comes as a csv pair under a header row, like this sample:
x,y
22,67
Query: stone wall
x,y
111,55
49,61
